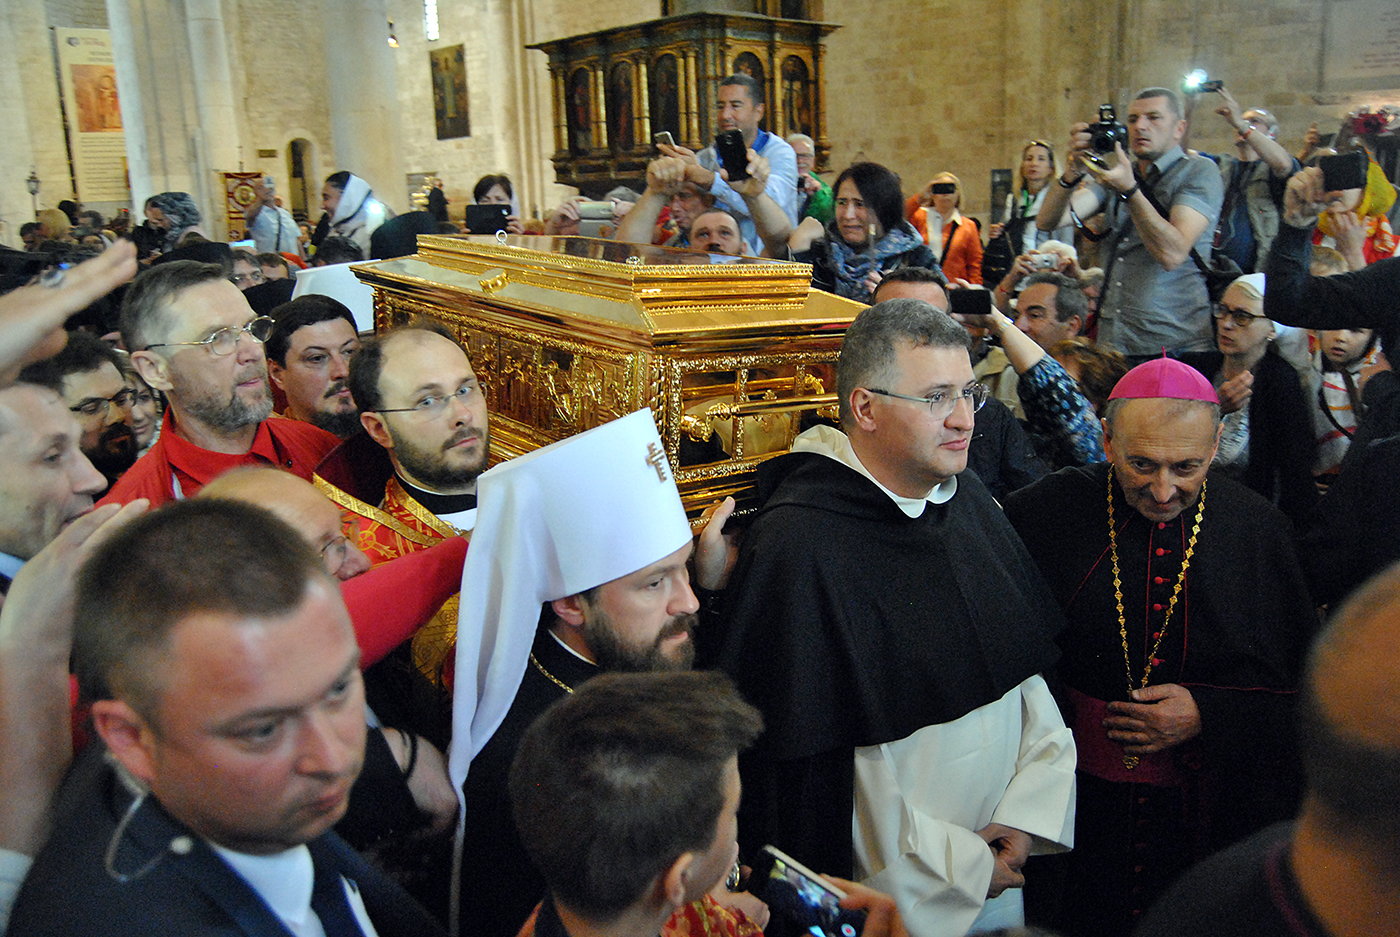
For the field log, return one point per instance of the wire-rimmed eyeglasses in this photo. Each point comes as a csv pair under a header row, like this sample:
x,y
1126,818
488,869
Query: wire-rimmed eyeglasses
x,y
225,340
941,403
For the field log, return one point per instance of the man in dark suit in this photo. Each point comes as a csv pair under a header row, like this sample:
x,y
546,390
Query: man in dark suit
x,y
225,683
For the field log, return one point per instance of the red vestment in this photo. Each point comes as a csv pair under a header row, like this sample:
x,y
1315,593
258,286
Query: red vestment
x,y
397,527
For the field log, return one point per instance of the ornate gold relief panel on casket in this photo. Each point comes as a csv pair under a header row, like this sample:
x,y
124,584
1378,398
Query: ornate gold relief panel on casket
x,y
734,355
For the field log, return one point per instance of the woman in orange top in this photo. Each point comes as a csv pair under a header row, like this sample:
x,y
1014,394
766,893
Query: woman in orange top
x,y
954,238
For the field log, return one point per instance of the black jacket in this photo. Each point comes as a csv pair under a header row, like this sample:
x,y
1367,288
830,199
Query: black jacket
x,y
69,892
1281,441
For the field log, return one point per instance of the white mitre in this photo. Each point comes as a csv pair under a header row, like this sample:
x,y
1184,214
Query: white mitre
x,y
552,523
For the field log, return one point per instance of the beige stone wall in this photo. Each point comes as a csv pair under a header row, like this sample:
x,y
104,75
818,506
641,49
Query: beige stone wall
x,y
930,85
279,79
31,52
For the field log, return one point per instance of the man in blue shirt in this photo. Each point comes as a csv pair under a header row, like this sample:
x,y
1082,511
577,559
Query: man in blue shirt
x,y
740,107
1154,294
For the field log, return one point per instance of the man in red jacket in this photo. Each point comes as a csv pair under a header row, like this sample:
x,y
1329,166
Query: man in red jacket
x,y
192,335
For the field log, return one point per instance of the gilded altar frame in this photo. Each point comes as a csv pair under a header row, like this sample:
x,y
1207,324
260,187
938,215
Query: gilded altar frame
x,y
733,355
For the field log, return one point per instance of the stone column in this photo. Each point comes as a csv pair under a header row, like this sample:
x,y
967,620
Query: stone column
x,y
163,92
213,85
16,148
362,97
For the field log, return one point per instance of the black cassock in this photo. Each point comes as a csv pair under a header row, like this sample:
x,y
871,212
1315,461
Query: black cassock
x,y
1236,641
500,885
849,623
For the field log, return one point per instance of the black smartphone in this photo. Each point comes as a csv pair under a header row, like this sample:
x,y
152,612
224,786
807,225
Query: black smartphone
x,y
966,302
733,155
791,889
485,219
1344,171
944,188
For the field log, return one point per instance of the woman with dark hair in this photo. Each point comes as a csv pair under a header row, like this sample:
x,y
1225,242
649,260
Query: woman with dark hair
x,y
496,189
1017,234
351,210
868,236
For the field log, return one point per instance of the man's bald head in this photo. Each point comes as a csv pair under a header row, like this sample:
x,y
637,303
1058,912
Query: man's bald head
x,y
1350,720
296,502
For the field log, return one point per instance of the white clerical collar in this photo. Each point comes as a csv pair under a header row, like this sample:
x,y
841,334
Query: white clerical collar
x,y
560,641
834,444
284,880
9,565
461,520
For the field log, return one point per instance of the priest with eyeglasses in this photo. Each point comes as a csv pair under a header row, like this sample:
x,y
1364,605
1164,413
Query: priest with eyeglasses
x,y
888,623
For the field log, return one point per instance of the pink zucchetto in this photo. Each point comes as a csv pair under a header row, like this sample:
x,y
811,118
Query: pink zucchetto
x,y
1164,377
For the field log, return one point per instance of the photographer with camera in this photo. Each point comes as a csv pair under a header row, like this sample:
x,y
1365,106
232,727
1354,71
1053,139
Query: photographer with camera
x,y
1049,257
1254,183
1155,292
270,225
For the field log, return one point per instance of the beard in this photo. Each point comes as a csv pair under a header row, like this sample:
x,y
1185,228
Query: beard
x,y
613,655
342,423
115,451
232,413
432,466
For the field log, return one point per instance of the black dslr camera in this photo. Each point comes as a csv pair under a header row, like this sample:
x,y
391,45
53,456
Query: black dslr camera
x,y
1108,131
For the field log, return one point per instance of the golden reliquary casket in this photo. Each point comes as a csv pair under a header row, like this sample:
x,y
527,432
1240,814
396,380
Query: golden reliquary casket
x,y
734,355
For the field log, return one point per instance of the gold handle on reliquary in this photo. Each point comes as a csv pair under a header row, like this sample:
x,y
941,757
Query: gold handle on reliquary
x,y
700,428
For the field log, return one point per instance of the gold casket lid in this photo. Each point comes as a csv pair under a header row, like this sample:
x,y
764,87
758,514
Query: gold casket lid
x,y
659,291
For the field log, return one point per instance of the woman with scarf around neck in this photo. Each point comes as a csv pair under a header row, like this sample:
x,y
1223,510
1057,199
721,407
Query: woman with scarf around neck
x,y
351,209
1355,219
867,238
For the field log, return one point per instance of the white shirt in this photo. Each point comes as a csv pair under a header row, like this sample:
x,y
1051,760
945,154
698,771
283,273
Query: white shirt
x,y
14,866
936,223
264,231
284,882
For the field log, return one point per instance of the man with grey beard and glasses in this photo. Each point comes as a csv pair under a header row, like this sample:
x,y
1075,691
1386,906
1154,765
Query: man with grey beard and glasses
x,y
192,335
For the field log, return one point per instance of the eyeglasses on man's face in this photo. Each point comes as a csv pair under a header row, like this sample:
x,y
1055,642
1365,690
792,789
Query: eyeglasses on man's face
x,y
99,406
225,340
433,405
942,403
337,549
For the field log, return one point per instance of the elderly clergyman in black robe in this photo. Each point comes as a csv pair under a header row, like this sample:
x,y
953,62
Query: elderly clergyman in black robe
x,y
892,629
1187,624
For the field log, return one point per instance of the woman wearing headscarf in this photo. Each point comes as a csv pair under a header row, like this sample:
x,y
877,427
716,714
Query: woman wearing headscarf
x,y
1356,219
867,238
1267,437
351,209
175,215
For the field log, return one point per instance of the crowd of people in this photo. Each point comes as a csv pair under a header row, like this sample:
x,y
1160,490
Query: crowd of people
x,y
1090,580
